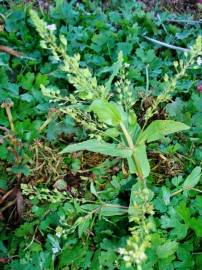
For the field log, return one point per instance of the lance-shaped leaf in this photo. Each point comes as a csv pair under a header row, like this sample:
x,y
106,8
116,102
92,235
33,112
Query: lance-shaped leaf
x,y
159,128
141,160
192,179
107,112
131,165
101,147
110,210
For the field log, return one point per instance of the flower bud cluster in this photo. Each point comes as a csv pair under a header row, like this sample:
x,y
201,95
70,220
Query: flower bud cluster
x,y
124,89
135,251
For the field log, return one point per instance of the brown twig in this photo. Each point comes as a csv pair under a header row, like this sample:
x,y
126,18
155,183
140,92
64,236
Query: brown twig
x,y
7,106
4,260
9,204
6,195
10,51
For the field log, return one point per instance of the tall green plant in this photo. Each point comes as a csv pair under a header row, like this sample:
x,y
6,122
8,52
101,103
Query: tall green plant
x,y
114,126
119,124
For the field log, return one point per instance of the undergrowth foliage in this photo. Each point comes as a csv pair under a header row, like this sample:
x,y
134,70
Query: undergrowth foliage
x,y
95,102
111,115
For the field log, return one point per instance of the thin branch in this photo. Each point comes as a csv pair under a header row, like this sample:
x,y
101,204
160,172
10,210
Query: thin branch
x,y
10,51
8,205
184,21
33,238
196,189
161,43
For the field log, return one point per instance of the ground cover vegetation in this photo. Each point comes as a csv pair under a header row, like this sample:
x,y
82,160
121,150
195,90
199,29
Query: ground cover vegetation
x,y
100,136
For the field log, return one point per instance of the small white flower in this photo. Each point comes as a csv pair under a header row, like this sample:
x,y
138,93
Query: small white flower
x,y
55,250
59,234
51,27
199,61
122,251
126,258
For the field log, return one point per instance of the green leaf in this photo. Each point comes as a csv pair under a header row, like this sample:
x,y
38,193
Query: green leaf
x,y
159,128
15,20
106,112
26,229
193,179
99,147
179,230
3,183
196,225
26,97
93,190
198,204
41,79
131,165
71,255
55,246
83,224
167,249
89,206
3,152
177,180
125,47
114,70
3,78
198,258
107,259
175,108
110,210
112,132
27,81
20,169
183,212
141,160
166,195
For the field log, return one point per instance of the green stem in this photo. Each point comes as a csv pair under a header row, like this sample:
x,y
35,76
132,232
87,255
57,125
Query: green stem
x,y
132,147
176,192
47,122
183,189
138,168
127,136
196,189
10,118
170,46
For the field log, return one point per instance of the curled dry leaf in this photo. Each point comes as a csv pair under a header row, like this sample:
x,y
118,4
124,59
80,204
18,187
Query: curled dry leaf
x,y
19,203
4,260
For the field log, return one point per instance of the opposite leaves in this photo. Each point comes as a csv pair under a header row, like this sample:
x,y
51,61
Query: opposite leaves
x,y
160,128
101,147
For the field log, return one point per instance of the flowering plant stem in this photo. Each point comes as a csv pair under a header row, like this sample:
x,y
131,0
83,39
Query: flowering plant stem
x,y
132,147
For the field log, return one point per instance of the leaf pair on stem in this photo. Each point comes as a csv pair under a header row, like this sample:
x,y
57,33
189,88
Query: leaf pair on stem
x,y
131,147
